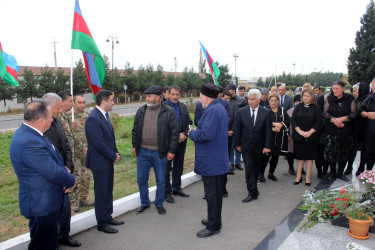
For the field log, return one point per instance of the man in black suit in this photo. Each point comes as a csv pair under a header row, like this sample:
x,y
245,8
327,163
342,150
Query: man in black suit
x,y
101,154
253,137
57,135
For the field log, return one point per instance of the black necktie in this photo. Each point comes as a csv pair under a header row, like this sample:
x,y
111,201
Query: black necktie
x,y
108,121
253,117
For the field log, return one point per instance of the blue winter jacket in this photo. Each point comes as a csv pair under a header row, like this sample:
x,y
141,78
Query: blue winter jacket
x,y
211,141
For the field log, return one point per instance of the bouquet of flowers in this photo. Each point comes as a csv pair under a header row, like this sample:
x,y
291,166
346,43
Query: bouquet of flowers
x,y
368,178
331,204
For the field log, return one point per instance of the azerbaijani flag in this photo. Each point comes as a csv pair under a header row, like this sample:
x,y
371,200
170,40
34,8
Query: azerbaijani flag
x,y
8,68
82,40
215,72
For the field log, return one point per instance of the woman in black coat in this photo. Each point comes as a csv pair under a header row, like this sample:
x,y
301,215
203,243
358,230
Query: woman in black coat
x,y
306,122
340,110
367,110
280,125
360,92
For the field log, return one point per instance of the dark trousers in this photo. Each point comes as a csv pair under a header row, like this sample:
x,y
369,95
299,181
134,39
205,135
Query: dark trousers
x,y
290,159
177,170
321,164
103,189
340,170
273,163
213,190
43,232
362,163
63,228
252,164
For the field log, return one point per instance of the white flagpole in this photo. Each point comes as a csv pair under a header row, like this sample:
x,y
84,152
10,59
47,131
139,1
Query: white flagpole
x,y
71,84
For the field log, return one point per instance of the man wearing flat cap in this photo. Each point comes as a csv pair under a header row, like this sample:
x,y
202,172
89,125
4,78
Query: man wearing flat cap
x,y
155,138
211,156
264,98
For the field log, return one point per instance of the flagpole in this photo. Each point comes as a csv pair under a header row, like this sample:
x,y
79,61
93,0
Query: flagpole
x,y
71,84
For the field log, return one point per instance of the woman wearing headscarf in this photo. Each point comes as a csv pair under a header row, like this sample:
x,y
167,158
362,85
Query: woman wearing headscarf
x,y
340,110
367,110
360,93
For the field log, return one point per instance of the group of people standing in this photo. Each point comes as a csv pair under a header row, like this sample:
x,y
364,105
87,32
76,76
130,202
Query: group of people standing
x,y
50,153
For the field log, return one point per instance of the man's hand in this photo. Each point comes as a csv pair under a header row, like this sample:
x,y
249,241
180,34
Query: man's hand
x,y
117,157
68,170
266,151
239,149
170,156
182,138
74,186
371,115
85,151
276,129
230,132
134,152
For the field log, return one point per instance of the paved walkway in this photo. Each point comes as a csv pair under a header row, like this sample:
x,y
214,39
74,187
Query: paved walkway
x,y
262,224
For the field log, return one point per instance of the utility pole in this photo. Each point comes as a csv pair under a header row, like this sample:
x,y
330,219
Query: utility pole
x,y
54,46
294,65
175,64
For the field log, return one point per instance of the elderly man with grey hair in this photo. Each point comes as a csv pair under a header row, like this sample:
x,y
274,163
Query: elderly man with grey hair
x,y
253,138
57,136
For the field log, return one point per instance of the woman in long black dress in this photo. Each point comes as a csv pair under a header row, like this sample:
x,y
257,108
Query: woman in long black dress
x,y
306,122
339,111
280,125
367,111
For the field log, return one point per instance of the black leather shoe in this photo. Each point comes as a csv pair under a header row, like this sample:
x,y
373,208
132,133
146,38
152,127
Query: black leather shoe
x,y
230,172
343,177
58,247
250,198
262,179
204,222
141,209
225,194
108,229
307,184
319,176
204,233
70,242
238,166
358,173
168,198
180,193
292,172
161,210
272,177
231,167
115,222
297,182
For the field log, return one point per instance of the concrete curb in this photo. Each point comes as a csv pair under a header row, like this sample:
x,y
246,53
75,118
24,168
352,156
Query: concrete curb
x,y
86,220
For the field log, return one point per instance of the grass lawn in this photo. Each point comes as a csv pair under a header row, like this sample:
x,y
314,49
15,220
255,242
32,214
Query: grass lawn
x,y
12,223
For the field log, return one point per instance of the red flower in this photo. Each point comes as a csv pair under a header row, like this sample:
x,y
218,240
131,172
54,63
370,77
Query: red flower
x,y
333,205
338,199
343,199
342,190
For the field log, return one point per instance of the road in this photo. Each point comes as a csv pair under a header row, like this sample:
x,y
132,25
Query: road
x,y
12,122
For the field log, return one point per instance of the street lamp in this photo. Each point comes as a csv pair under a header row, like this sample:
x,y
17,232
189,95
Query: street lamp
x,y
235,70
113,48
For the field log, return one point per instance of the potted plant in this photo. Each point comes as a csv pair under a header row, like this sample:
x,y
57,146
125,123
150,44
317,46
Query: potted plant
x,y
332,204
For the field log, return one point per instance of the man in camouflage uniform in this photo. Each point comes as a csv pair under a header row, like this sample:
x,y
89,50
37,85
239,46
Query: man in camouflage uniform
x,y
83,174
66,116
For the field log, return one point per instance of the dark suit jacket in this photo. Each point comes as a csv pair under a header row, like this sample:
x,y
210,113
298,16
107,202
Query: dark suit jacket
x,y
288,102
253,138
57,135
101,145
40,171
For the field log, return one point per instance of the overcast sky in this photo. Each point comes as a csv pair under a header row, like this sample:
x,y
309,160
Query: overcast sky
x,y
268,36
